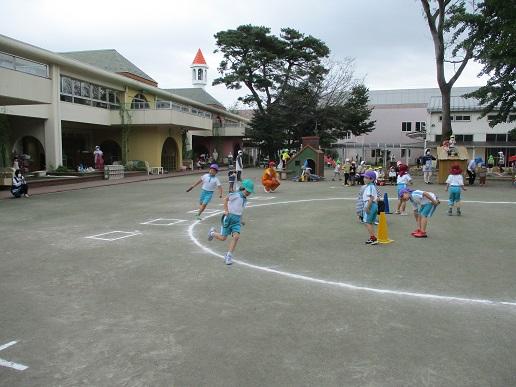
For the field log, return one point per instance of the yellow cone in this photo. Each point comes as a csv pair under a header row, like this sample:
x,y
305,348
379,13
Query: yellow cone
x,y
383,230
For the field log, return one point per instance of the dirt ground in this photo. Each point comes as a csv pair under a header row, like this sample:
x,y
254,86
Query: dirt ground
x,y
118,286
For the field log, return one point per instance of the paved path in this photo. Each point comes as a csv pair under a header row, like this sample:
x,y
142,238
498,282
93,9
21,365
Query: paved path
x,y
101,183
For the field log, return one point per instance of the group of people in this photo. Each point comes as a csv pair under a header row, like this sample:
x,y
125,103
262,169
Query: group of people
x,y
353,172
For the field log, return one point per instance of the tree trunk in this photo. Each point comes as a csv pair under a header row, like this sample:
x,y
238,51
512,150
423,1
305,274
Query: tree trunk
x,y
446,127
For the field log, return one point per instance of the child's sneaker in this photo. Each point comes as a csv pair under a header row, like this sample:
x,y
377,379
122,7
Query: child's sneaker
x,y
458,212
413,233
211,233
228,259
198,217
403,214
371,241
450,211
420,234
397,213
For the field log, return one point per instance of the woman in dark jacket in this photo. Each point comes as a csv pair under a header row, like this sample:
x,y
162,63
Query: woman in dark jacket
x,y
19,186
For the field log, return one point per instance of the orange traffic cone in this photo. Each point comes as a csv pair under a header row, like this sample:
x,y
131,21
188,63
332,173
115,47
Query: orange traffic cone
x,y
383,230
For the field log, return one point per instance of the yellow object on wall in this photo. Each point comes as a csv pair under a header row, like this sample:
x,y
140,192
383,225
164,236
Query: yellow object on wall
x,y
146,144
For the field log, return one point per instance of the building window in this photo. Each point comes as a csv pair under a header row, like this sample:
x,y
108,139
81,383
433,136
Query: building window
x,y
199,75
462,118
376,153
464,137
347,136
441,118
406,126
496,137
139,102
438,138
85,93
405,152
420,126
492,117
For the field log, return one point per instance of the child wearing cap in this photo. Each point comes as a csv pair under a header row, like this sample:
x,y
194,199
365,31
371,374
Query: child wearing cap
x,y
424,204
234,205
403,180
454,183
209,183
370,200
270,178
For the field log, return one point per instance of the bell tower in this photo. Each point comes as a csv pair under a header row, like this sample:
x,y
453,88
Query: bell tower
x,y
199,70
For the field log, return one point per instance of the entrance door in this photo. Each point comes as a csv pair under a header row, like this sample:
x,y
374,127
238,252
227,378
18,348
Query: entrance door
x,y
169,155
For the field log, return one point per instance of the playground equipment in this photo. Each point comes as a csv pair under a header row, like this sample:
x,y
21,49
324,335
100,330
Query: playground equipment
x,y
312,154
445,161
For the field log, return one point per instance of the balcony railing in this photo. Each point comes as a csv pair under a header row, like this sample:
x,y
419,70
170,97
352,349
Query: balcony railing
x,y
168,105
23,65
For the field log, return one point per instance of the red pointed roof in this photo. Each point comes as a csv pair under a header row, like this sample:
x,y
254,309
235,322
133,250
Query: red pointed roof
x,y
199,58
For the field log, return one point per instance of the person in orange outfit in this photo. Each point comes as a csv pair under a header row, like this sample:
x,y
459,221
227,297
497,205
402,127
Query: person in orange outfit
x,y
270,178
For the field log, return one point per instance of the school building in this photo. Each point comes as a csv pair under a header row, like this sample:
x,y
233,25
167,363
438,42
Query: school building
x,y
59,106
409,120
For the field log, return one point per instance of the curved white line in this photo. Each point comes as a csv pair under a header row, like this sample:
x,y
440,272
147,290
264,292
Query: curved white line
x,y
336,283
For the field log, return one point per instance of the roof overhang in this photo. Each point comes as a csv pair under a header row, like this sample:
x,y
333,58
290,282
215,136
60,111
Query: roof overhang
x,y
32,52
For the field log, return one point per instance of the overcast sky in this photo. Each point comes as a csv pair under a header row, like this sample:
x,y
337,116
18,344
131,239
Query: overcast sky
x,y
388,39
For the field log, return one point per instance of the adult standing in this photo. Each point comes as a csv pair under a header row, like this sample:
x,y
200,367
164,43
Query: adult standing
x,y
239,165
98,157
472,166
346,168
426,160
501,161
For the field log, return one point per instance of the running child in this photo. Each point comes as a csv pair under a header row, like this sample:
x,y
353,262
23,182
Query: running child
x,y
234,205
454,183
424,204
370,200
403,180
209,183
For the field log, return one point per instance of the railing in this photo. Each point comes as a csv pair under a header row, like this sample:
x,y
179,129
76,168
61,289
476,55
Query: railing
x,y
23,65
168,105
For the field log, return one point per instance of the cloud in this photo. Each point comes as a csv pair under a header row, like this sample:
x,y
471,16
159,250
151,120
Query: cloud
x,y
389,39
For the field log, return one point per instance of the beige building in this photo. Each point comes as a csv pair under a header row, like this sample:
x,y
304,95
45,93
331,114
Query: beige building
x,y
59,106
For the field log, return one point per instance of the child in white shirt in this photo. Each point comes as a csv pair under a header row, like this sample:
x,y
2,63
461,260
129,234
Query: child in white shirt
x,y
209,183
454,184
234,205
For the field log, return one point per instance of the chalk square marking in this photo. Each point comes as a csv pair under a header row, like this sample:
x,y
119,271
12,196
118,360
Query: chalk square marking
x,y
164,222
114,235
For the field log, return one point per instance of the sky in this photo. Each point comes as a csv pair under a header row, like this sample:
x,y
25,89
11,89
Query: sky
x,y
389,40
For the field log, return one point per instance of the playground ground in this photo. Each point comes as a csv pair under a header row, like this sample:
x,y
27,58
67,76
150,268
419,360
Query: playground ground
x,y
118,286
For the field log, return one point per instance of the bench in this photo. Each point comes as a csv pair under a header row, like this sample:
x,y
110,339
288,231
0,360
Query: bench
x,y
157,170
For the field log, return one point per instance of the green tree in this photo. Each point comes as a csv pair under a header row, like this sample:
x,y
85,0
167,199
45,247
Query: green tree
x,y
493,38
266,64
440,15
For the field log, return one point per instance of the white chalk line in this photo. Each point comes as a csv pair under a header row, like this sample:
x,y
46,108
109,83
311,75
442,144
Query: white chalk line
x,y
11,364
337,283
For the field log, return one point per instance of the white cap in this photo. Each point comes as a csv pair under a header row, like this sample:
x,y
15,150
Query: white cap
x,y
240,152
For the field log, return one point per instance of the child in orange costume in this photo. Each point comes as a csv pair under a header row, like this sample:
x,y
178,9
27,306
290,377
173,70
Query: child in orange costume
x,y
270,178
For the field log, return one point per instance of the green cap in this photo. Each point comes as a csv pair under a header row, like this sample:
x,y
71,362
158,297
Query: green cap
x,y
248,185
